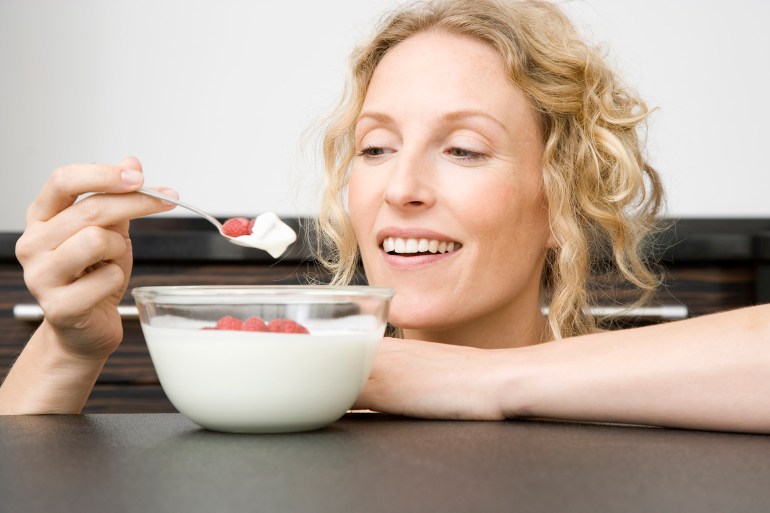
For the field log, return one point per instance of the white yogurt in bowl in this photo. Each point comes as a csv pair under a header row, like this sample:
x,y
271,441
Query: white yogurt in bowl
x,y
263,382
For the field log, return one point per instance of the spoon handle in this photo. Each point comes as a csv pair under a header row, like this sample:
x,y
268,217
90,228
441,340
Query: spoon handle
x,y
208,217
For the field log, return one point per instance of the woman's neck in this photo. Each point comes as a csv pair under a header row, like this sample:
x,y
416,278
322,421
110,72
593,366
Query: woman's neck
x,y
509,327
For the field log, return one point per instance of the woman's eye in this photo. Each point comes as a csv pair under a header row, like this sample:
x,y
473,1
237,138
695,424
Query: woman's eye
x,y
372,151
462,153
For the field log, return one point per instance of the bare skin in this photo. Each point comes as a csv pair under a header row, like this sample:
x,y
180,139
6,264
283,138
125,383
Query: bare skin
x,y
77,263
709,372
426,167
448,149
705,373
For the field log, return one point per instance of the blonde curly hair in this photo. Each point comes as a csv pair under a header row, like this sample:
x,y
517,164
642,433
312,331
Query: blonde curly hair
x,y
600,190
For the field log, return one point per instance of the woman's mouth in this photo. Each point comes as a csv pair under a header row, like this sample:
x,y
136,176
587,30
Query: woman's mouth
x,y
414,246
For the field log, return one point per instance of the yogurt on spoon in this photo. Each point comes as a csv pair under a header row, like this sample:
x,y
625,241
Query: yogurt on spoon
x,y
266,232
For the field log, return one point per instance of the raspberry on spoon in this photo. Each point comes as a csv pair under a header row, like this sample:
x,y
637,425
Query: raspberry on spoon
x,y
237,226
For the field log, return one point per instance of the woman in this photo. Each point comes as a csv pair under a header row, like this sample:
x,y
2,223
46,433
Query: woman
x,y
481,149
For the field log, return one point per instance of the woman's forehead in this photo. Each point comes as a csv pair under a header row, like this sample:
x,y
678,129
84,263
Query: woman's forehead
x,y
445,76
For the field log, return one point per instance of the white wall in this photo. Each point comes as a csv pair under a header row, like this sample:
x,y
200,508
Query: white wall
x,y
706,66
213,97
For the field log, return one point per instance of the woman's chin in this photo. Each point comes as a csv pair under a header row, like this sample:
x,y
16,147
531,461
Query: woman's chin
x,y
429,315
417,319
414,320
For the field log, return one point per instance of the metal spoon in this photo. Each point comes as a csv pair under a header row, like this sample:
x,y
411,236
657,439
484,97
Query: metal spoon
x,y
211,219
270,225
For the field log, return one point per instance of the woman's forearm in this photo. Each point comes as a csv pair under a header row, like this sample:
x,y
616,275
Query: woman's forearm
x,y
45,379
710,372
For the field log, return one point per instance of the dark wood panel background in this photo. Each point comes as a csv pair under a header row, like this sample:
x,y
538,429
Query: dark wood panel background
x,y
129,383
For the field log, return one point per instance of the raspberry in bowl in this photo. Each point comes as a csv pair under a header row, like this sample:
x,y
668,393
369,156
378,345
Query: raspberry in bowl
x,y
262,359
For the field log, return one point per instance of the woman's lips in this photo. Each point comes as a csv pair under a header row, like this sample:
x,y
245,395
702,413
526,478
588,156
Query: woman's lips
x,y
414,245
414,260
405,248
410,253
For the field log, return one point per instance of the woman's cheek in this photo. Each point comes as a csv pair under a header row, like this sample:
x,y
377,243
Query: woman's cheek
x,y
354,194
361,204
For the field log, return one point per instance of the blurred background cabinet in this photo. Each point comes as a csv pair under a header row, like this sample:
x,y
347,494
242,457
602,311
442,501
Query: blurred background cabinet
x,y
708,265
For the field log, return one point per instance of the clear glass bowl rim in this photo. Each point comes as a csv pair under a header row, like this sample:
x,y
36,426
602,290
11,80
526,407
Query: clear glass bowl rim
x,y
154,293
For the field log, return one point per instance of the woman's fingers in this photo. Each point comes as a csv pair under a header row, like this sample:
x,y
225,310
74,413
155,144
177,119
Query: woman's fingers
x,y
63,265
105,210
82,279
70,305
67,183
76,253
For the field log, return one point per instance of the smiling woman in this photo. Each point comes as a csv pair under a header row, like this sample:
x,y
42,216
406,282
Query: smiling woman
x,y
449,153
492,127
481,155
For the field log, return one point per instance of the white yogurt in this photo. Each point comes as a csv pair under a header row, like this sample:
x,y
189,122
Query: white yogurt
x,y
269,233
259,381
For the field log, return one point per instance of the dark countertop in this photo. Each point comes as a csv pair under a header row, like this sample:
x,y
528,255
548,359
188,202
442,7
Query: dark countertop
x,y
372,462
193,239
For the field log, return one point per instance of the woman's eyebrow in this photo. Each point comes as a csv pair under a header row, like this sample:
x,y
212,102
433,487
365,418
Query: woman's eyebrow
x,y
460,115
380,117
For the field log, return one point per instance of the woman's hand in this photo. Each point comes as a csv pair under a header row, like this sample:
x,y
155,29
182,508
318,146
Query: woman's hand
x,y
76,255
431,380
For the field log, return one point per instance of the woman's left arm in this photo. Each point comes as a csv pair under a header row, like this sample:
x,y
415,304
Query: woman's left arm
x,y
710,372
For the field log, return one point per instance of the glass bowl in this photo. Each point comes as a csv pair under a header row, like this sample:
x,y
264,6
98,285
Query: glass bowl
x,y
262,359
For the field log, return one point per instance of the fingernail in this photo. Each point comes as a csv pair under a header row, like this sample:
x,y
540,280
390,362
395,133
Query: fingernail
x,y
131,176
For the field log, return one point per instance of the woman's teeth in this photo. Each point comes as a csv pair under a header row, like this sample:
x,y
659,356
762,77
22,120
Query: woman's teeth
x,y
414,246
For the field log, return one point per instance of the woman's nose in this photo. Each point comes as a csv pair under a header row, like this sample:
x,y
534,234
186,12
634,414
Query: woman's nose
x,y
411,182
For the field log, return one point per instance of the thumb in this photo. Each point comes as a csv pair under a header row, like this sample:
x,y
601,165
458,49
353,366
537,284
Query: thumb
x,y
130,163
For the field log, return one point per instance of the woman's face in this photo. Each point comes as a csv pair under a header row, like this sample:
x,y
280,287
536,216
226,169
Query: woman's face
x,y
446,194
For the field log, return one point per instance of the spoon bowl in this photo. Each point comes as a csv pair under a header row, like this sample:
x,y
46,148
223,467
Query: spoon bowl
x,y
269,232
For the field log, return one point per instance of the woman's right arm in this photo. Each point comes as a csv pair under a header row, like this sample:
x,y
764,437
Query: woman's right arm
x,y
77,262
